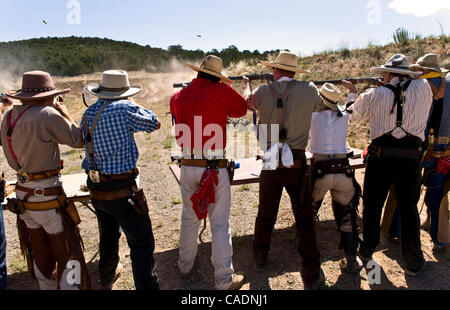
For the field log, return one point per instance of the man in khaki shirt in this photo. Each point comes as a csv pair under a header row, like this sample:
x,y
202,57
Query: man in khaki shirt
x,y
286,107
5,104
30,135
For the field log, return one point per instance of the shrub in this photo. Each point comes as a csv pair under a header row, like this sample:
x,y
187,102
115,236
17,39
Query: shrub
x,y
374,51
402,36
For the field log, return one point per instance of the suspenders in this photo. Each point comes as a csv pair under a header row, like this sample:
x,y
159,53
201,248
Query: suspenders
x,y
11,127
281,99
399,102
90,135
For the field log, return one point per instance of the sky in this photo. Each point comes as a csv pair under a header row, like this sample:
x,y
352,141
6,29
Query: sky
x,y
303,27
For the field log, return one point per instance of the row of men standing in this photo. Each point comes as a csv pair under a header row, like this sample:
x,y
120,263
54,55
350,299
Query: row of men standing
x,y
398,113
111,156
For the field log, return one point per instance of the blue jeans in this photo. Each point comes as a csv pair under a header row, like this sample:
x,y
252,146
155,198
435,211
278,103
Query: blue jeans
x,y
435,184
2,253
435,187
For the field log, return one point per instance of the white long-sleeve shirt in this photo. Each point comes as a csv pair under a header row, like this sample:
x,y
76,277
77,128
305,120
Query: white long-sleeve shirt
x,y
376,105
329,133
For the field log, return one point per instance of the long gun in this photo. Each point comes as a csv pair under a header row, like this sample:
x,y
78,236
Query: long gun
x,y
364,80
253,77
269,78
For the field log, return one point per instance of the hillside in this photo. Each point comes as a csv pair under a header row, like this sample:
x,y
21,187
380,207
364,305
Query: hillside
x,y
73,56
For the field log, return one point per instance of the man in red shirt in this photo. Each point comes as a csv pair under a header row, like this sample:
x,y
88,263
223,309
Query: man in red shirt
x,y
201,113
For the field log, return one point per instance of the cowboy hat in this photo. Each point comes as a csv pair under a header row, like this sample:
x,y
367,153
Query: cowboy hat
x,y
333,97
398,64
429,62
285,61
212,65
115,85
36,85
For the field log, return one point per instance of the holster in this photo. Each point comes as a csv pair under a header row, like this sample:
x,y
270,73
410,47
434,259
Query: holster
x,y
72,211
231,167
15,206
140,205
306,197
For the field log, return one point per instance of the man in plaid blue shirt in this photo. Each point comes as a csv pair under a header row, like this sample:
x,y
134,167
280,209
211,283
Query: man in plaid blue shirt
x,y
115,149
111,155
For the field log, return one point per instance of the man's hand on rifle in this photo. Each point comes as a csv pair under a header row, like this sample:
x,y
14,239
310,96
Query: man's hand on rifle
x,y
247,87
5,103
62,109
350,86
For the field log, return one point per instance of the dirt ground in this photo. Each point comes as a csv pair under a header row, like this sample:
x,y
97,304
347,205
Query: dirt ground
x,y
282,272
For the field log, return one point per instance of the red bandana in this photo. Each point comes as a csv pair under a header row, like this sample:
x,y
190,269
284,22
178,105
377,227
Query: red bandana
x,y
205,194
443,165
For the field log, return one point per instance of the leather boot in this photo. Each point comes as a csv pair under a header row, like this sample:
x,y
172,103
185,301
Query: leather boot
x,y
60,251
351,263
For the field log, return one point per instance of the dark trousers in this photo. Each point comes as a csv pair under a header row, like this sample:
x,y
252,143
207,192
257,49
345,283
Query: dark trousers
x,y
111,216
405,175
271,189
433,199
395,229
2,253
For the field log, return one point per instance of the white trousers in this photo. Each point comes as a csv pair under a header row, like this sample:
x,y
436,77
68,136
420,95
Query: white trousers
x,y
218,213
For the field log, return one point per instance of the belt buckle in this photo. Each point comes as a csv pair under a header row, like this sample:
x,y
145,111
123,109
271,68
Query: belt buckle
x,y
212,164
94,176
443,140
39,192
23,177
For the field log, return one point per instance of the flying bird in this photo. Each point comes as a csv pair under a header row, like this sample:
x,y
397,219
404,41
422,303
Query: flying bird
x,y
44,22
199,36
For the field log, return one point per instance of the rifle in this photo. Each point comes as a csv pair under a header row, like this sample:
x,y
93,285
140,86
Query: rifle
x,y
253,77
366,80
269,78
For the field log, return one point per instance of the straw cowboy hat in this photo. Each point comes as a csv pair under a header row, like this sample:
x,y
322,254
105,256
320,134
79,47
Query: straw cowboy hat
x,y
428,62
285,61
36,85
212,65
115,85
398,64
333,97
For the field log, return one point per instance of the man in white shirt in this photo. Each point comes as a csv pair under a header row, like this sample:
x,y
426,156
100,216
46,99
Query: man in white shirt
x,y
398,114
332,171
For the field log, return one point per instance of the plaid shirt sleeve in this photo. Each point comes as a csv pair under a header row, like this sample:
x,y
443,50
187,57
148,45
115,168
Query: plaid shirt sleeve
x,y
140,119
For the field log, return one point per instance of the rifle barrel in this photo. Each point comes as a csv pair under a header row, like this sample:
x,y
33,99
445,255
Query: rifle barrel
x,y
269,77
369,80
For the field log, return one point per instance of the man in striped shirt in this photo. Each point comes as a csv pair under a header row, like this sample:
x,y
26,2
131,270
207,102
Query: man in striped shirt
x,y
398,114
